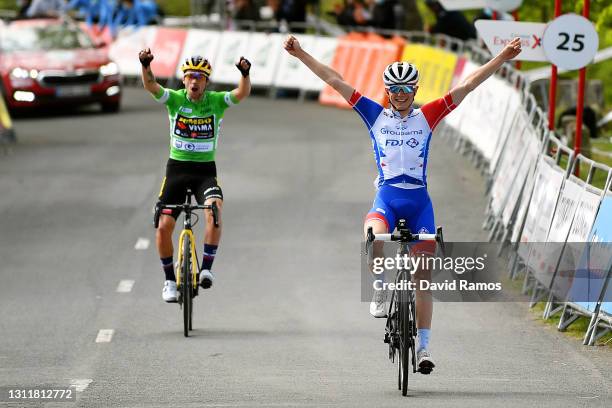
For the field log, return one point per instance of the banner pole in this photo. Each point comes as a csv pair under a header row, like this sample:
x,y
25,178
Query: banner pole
x,y
581,86
552,94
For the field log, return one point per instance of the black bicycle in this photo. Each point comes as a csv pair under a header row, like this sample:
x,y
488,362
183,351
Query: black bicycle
x,y
400,328
188,265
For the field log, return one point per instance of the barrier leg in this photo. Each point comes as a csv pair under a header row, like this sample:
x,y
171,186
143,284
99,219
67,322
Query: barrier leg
x,y
568,316
502,244
493,232
527,281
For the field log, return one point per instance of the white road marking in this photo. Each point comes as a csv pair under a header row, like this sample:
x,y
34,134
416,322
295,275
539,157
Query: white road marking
x,y
81,384
125,286
142,243
105,336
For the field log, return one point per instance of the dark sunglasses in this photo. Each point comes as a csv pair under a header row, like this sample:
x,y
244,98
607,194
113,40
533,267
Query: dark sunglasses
x,y
399,88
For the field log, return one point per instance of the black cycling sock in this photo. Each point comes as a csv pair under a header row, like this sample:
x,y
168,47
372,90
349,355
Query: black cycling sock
x,y
209,256
168,267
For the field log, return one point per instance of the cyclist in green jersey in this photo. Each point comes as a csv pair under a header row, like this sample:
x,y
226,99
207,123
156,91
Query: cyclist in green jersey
x,y
195,116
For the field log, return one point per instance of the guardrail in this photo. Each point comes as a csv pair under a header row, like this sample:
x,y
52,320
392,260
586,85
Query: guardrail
x,y
537,207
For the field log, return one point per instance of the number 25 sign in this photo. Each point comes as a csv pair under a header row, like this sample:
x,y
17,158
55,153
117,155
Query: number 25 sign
x,y
570,41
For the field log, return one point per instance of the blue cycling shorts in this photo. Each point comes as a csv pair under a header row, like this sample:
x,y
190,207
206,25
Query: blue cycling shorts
x,y
413,205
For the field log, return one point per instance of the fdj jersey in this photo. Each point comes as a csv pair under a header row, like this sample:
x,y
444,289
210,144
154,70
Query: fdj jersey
x,y
195,126
401,145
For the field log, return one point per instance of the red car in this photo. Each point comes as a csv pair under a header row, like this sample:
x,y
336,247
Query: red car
x,y
46,62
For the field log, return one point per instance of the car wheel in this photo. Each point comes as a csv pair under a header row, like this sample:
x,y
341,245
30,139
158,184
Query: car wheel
x,y
110,107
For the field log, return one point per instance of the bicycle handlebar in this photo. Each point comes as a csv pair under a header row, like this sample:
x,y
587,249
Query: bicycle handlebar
x,y
403,235
398,237
187,207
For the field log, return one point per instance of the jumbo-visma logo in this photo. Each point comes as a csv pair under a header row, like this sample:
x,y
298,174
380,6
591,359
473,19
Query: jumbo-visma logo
x,y
194,128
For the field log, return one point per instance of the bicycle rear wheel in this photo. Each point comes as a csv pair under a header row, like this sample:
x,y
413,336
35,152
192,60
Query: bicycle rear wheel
x,y
186,284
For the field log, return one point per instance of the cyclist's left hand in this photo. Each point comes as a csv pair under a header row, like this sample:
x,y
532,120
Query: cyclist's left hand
x,y
244,66
511,50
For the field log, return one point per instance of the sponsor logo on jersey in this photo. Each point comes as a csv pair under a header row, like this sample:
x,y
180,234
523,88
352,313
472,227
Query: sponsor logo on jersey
x,y
194,128
394,142
392,132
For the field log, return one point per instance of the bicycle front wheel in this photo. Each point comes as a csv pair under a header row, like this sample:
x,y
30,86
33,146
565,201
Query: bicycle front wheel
x,y
186,284
405,338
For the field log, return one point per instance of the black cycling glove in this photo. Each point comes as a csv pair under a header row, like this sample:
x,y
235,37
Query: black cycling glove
x,y
145,58
243,71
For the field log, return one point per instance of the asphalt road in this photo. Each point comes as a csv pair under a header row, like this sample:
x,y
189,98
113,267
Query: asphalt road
x,y
284,325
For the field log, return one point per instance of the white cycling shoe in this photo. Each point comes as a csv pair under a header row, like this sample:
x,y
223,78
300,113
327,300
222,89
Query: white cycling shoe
x,y
169,292
378,304
424,361
206,278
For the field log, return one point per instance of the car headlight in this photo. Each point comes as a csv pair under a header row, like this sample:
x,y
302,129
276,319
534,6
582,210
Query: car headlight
x,y
109,69
20,73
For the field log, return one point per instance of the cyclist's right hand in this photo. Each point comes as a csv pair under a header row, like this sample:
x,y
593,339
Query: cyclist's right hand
x,y
145,56
292,45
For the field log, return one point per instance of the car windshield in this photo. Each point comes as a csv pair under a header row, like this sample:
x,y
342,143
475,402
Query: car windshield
x,y
42,38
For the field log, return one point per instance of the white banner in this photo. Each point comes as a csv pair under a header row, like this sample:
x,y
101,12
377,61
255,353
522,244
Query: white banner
x,y
585,216
510,163
324,50
264,53
494,95
527,167
496,34
200,42
124,50
545,264
291,72
525,200
501,5
541,179
233,45
545,215
548,204
507,125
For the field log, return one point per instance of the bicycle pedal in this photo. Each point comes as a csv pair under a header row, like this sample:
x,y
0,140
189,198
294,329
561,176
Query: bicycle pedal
x,y
387,339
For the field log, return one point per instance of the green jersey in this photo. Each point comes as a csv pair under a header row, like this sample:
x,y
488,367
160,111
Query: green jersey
x,y
195,126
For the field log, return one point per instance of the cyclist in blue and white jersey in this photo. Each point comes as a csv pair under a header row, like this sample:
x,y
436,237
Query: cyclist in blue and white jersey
x,y
400,138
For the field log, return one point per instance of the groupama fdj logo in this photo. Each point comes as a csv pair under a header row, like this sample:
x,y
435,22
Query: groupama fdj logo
x,y
412,142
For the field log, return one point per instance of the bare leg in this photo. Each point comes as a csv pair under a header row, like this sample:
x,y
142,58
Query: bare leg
x,y
163,236
212,234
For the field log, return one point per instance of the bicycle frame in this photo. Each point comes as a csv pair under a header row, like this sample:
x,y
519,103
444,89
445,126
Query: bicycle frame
x,y
400,328
187,231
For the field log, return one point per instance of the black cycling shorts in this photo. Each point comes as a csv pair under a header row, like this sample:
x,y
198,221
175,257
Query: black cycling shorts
x,y
200,177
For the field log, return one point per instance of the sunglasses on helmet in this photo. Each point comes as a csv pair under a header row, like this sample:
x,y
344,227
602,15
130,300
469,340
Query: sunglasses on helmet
x,y
195,75
401,88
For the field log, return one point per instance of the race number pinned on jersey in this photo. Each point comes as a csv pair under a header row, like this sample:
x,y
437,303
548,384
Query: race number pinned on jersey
x,y
570,41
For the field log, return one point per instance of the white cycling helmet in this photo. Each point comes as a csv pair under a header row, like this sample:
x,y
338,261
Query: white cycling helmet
x,y
400,73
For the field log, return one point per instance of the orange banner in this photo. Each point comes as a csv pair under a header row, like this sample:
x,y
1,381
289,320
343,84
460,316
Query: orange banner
x,y
361,58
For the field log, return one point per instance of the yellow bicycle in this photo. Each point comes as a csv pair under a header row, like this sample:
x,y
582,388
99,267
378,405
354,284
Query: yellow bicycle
x,y
188,264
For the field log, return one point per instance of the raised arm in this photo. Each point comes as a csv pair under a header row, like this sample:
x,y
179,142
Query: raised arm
x,y
148,79
326,73
511,50
244,85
